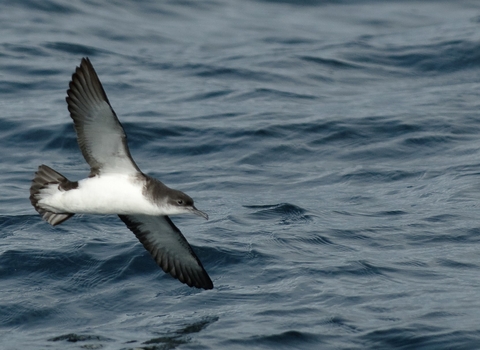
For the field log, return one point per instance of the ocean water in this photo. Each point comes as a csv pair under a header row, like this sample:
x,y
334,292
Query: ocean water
x,y
335,146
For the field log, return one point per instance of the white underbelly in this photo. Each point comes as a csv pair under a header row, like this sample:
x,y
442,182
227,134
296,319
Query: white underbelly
x,y
105,194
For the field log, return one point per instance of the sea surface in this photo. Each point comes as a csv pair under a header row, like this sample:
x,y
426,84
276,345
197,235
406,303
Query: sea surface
x,y
335,146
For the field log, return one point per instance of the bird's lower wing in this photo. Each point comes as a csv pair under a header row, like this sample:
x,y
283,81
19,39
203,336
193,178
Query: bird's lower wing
x,y
169,248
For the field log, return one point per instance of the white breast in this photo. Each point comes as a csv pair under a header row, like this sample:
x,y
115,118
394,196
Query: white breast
x,y
103,194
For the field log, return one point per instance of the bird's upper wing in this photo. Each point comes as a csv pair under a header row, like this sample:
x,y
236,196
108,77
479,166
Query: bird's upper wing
x,y
99,133
169,248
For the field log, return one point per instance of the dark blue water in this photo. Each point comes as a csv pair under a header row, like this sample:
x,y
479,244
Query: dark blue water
x,y
334,144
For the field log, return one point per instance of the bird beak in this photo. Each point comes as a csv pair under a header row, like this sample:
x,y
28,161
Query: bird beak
x,y
199,213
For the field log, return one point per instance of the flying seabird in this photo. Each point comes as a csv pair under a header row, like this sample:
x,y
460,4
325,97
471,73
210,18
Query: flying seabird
x,y
116,185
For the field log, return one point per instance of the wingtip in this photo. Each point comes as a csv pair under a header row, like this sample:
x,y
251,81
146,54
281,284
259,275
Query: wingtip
x,y
85,86
208,286
85,62
204,282
202,286
199,279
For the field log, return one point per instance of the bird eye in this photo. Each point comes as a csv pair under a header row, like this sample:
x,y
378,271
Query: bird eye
x,y
180,202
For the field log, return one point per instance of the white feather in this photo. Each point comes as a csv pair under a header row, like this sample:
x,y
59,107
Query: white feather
x,y
103,194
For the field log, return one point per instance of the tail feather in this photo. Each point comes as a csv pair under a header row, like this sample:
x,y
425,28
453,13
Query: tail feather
x,y
44,177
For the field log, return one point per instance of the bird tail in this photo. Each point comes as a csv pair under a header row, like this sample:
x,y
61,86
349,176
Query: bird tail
x,y
46,183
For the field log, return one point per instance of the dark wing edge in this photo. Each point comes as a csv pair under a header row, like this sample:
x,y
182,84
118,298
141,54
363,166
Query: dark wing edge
x,y
188,270
84,91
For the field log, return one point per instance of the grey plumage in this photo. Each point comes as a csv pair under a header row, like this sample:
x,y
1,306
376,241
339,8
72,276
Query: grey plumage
x,y
171,252
100,135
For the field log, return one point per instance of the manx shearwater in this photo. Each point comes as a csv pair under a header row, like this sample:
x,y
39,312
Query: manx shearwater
x,y
116,185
